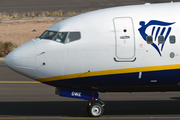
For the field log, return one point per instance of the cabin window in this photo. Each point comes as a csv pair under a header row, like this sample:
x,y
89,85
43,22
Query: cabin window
x,y
73,36
48,35
172,39
149,39
61,37
161,39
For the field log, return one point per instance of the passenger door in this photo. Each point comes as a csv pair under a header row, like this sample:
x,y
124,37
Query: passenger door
x,y
124,39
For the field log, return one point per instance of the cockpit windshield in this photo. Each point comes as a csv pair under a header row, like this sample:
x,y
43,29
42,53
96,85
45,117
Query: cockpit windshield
x,y
48,35
62,37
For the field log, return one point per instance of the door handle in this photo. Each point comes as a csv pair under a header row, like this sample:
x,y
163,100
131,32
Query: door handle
x,y
124,37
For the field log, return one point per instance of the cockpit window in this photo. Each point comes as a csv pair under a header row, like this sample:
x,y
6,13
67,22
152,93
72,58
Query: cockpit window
x,y
48,35
73,36
61,37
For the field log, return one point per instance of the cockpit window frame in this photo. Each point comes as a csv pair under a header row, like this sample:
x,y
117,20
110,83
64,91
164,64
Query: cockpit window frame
x,y
75,39
66,41
48,31
67,36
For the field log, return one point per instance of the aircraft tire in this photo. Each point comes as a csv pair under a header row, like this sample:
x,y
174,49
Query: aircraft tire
x,y
95,110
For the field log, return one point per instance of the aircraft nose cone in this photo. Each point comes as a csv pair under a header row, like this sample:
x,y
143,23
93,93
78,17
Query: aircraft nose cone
x,y
22,59
8,60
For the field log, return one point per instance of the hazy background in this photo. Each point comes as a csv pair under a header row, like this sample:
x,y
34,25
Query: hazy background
x,y
20,6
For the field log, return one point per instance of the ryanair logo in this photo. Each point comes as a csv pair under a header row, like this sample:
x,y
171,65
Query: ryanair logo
x,y
155,28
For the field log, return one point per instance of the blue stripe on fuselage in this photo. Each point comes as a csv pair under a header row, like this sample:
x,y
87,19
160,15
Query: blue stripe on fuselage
x,y
127,81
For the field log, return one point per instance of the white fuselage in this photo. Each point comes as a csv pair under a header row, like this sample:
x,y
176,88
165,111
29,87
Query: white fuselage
x,y
111,44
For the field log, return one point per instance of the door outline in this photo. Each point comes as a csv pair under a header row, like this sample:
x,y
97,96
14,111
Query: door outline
x,y
116,58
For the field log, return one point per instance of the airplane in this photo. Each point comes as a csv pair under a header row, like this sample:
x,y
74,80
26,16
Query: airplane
x,y
120,49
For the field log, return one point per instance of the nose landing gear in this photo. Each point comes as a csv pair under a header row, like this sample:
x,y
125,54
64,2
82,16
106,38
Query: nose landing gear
x,y
95,108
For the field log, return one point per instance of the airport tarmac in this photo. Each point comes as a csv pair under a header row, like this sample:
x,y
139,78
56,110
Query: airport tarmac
x,y
25,99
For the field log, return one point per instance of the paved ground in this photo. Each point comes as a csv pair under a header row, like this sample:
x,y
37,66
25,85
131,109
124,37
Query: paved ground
x,y
19,100
20,6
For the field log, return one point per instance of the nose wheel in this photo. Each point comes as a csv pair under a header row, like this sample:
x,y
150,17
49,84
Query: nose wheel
x,y
95,108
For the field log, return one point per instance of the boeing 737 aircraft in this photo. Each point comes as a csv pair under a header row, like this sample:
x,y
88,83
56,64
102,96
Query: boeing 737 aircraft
x,y
121,49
